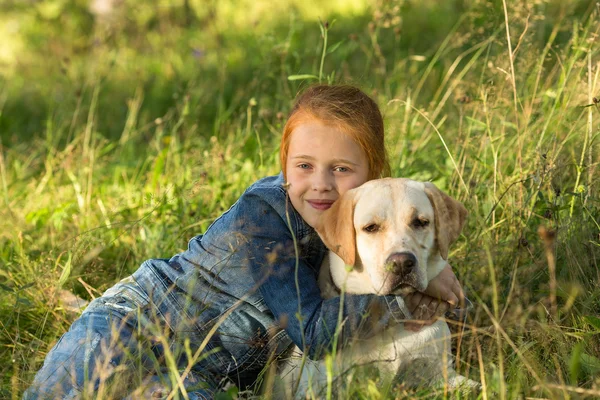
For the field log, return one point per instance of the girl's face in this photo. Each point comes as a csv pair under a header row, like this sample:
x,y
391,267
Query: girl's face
x,y
322,164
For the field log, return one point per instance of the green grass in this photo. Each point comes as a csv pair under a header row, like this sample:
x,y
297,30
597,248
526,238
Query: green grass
x,y
121,139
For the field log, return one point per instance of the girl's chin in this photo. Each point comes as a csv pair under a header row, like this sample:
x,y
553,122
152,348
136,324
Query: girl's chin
x,y
313,218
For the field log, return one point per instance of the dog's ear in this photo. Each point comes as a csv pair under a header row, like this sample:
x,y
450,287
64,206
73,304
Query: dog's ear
x,y
336,228
450,216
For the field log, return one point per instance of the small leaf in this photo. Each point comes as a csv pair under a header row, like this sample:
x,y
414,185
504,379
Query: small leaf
x,y
590,364
594,321
575,363
6,288
186,109
27,286
66,272
302,76
24,301
233,391
477,122
224,396
540,195
331,77
334,47
373,390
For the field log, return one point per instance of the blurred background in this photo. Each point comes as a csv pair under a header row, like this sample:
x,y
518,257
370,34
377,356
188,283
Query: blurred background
x,y
219,54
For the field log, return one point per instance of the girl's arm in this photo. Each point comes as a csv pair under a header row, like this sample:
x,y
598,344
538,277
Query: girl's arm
x,y
289,286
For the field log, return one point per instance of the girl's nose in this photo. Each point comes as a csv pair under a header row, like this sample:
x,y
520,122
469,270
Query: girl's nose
x,y
322,181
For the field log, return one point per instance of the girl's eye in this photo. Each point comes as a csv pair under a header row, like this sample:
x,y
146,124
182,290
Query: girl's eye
x,y
341,169
303,166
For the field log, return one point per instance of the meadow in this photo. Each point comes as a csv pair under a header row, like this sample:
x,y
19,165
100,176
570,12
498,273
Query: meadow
x,y
127,127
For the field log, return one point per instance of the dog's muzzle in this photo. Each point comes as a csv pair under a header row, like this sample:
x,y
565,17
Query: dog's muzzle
x,y
403,266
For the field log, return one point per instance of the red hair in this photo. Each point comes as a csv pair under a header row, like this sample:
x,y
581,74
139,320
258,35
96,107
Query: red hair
x,y
350,110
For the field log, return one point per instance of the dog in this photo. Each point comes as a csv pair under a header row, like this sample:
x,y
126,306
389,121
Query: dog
x,y
389,236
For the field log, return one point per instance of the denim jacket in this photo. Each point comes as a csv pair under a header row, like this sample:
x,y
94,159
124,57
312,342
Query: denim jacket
x,y
243,291
253,276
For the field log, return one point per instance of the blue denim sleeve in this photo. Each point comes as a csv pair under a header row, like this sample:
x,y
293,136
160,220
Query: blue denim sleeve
x,y
290,289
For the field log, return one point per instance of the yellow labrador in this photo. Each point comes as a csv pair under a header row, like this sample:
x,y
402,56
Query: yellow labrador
x,y
388,237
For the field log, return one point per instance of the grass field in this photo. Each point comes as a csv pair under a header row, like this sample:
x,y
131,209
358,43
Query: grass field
x,y
125,133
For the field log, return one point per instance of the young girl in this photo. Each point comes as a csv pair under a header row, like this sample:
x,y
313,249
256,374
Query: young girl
x,y
247,289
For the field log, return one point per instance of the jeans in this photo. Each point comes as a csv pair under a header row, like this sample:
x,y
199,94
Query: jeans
x,y
118,349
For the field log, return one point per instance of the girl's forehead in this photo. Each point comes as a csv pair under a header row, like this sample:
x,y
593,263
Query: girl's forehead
x,y
307,116
314,125
316,133
324,143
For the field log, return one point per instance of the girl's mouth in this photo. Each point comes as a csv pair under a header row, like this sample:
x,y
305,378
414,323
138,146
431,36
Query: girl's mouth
x,y
320,204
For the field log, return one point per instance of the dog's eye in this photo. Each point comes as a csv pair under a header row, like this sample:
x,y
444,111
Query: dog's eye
x,y
420,222
371,228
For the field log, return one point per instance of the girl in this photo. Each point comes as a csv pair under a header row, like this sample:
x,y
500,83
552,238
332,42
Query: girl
x,y
247,288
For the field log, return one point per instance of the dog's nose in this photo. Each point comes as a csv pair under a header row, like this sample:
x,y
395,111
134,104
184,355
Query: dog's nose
x,y
401,263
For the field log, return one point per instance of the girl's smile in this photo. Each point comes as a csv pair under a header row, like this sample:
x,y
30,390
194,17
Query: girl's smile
x,y
323,162
320,204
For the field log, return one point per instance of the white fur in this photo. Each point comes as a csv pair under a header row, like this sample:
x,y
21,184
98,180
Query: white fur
x,y
392,204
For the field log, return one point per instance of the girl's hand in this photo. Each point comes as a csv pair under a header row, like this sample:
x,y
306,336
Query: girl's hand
x,y
442,292
424,309
446,287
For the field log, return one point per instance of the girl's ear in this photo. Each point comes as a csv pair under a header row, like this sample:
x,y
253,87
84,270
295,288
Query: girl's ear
x,y
450,216
336,228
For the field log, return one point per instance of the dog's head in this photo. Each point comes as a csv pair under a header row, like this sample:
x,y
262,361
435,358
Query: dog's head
x,y
394,233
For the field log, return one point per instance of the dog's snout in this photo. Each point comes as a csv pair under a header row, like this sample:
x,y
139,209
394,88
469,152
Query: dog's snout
x,y
401,263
